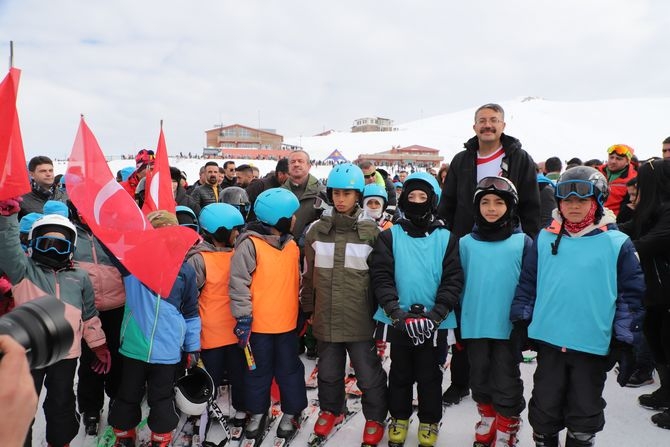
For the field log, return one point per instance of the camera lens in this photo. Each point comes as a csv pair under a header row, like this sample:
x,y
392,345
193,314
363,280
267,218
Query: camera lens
x,y
41,328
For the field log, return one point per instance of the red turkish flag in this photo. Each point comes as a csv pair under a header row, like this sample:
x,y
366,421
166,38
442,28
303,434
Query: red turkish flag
x,y
154,256
13,173
158,186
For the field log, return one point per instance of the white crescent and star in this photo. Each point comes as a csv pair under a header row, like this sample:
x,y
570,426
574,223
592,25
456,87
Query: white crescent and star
x,y
107,191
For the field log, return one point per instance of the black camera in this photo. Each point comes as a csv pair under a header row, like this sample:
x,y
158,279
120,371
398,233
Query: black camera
x,y
41,328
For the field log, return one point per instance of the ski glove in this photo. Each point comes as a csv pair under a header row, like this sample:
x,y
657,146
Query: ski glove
x,y
103,361
243,331
192,359
419,329
10,206
519,339
621,353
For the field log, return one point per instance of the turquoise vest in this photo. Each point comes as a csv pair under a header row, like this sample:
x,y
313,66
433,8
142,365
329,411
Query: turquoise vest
x,y
418,270
491,272
577,291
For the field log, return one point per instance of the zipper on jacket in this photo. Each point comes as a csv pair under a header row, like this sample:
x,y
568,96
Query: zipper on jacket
x,y
153,329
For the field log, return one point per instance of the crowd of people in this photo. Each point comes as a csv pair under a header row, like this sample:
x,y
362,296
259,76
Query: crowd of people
x,y
572,263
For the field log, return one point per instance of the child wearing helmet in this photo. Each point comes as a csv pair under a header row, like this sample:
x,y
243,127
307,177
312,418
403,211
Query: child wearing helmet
x,y
579,298
211,259
375,200
491,258
264,282
337,247
416,303
48,268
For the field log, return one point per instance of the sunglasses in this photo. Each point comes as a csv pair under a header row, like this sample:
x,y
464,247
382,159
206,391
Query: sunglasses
x,y
620,149
372,174
58,245
579,188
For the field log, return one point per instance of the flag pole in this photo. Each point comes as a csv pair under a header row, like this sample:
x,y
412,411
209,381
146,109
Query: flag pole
x,y
11,54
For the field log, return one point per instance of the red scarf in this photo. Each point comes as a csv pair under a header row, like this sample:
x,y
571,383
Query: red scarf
x,y
588,220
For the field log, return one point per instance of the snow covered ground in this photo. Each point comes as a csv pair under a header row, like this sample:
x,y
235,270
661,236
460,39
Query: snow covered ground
x,y
627,424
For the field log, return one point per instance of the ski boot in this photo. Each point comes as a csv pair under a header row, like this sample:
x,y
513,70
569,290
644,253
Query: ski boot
x,y
507,429
659,399
454,394
372,433
578,439
543,440
485,429
326,422
239,419
255,425
662,419
125,438
91,423
428,434
161,439
398,432
288,426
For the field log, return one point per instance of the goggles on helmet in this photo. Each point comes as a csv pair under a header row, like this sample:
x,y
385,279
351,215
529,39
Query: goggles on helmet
x,y
58,245
494,183
579,188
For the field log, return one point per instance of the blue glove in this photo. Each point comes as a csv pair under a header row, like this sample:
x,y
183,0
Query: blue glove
x,y
243,330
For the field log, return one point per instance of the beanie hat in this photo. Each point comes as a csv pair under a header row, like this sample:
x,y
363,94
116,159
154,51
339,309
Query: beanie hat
x,y
162,218
55,207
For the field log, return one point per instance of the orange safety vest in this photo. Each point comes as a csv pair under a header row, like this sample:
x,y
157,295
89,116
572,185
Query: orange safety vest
x,y
214,302
274,287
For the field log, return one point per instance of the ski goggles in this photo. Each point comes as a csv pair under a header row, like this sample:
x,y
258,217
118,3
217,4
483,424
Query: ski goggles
x,y
496,183
47,244
579,188
621,150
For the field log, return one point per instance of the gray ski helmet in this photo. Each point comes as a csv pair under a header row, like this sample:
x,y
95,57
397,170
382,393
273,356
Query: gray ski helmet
x,y
238,197
582,181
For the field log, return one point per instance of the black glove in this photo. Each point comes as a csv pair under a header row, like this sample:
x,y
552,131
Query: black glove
x,y
398,318
621,353
303,322
519,339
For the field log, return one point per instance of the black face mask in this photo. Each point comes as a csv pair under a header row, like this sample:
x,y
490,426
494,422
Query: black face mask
x,y
53,260
418,213
283,225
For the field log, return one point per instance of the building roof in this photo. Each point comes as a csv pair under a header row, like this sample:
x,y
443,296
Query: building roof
x,y
243,126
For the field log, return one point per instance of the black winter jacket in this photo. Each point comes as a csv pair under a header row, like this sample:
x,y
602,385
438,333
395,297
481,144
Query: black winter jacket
x,y
456,206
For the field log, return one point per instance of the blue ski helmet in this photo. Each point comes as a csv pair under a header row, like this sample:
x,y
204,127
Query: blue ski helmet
x,y
125,173
374,190
275,204
187,218
345,176
220,215
426,178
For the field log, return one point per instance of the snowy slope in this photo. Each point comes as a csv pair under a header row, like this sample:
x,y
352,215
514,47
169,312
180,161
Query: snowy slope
x,y
627,424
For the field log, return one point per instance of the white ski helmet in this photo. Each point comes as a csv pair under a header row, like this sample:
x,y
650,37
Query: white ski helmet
x,y
193,391
53,222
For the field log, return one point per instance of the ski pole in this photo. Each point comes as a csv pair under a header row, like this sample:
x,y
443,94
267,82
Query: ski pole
x,y
251,363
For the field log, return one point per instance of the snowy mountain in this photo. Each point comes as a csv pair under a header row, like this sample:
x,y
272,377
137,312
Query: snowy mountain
x,y
545,128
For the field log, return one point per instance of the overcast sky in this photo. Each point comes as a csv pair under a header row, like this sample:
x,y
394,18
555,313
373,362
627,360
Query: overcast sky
x,y
303,66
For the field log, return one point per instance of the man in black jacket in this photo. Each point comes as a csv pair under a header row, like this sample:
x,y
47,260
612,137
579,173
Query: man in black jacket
x,y
41,170
489,153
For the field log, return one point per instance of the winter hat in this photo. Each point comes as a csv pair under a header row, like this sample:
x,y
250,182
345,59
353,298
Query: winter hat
x,y
55,207
162,218
144,158
27,221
